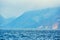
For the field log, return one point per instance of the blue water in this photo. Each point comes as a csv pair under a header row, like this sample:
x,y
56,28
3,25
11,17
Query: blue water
x,y
29,34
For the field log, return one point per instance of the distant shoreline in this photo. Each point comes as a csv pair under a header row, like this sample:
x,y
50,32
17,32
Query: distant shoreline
x,y
25,29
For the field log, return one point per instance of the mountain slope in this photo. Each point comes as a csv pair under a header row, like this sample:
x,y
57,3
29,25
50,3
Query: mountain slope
x,y
1,20
4,21
36,18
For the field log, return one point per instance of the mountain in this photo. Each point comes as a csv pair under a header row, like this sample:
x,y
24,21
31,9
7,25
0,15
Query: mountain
x,y
7,21
1,20
4,21
36,18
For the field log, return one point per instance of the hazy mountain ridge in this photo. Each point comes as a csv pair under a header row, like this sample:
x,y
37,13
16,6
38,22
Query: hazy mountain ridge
x,y
1,19
5,21
36,18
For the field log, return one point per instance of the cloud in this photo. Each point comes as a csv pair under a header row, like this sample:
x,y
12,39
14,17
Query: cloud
x,y
16,7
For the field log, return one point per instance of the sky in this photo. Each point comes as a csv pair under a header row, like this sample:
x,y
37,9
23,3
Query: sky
x,y
15,8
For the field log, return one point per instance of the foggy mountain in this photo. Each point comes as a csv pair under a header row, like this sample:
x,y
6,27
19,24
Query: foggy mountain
x,y
36,18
